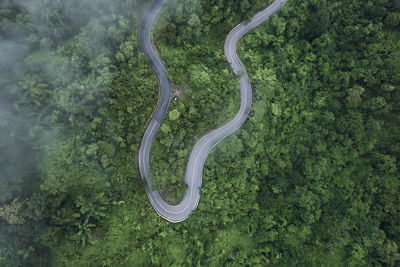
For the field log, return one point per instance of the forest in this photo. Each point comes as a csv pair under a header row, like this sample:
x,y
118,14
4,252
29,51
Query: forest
x,y
311,179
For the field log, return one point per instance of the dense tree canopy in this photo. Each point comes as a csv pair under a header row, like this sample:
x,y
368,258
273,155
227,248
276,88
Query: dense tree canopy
x,y
312,178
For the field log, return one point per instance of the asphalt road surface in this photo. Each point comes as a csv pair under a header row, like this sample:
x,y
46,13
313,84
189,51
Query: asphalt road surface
x,y
199,154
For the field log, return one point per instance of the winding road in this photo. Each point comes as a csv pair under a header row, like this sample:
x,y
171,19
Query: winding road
x,y
200,151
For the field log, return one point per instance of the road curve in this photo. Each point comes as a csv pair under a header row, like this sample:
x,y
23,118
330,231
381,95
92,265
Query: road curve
x,y
200,151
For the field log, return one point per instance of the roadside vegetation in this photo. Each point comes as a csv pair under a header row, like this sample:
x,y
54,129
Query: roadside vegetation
x,y
312,178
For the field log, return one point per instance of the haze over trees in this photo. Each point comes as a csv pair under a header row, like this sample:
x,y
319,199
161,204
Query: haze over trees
x,y
312,178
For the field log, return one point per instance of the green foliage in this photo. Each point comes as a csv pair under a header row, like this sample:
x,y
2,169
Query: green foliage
x,y
312,178
9,213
